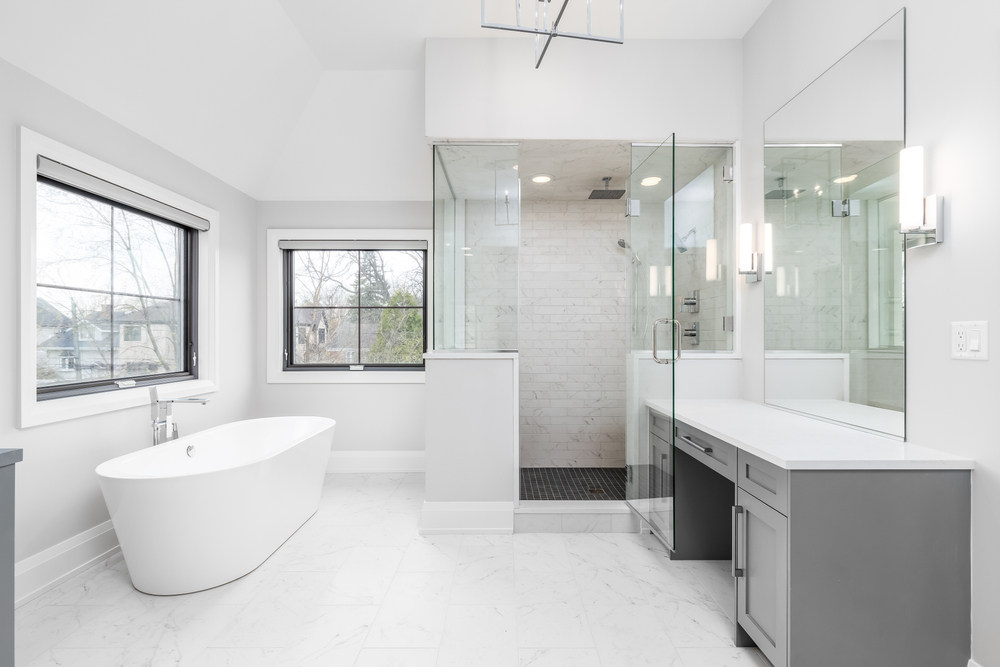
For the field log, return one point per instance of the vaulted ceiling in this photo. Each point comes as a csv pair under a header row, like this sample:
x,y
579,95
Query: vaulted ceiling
x,y
261,93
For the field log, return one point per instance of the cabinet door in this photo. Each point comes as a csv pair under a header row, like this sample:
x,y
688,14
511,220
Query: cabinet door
x,y
762,587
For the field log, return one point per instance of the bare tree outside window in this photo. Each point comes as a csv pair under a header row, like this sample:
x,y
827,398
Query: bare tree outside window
x,y
110,290
357,307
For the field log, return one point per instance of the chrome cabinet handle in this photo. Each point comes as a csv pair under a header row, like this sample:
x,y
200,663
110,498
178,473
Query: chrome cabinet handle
x,y
700,448
737,513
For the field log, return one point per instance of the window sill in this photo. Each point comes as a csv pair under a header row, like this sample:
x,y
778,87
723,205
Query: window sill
x,y
346,377
37,413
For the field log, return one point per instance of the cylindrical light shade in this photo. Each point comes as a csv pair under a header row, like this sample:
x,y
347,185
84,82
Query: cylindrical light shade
x,y
768,248
746,248
911,189
711,259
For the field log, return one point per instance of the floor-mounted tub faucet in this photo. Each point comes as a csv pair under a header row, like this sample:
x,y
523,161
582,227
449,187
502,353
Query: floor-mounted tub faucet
x,y
164,427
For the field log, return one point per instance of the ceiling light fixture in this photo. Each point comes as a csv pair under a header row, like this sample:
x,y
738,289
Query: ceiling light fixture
x,y
546,23
845,179
541,178
650,181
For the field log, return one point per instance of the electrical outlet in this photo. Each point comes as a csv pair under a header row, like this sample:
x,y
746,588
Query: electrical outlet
x,y
970,340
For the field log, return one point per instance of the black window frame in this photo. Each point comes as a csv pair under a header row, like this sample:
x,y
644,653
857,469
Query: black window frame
x,y
190,258
289,328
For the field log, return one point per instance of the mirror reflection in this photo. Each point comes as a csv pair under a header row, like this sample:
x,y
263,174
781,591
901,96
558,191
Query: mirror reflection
x,y
834,293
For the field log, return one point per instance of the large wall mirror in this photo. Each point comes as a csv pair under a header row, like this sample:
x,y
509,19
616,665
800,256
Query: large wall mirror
x,y
835,339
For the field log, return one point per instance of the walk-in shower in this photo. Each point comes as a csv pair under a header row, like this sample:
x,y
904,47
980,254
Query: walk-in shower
x,y
573,282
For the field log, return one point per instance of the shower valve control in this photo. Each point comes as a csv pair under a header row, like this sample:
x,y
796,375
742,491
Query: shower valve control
x,y
689,304
970,340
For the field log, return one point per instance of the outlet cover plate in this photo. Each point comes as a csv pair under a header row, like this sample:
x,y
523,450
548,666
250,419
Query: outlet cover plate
x,y
970,340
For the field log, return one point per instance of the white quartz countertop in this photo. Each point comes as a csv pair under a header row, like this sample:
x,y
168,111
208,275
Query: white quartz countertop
x,y
795,442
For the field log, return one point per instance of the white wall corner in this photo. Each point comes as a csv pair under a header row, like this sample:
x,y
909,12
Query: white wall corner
x,y
356,461
47,569
973,663
472,518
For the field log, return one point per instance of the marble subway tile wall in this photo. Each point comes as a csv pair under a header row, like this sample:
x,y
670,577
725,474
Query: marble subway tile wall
x,y
571,334
490,270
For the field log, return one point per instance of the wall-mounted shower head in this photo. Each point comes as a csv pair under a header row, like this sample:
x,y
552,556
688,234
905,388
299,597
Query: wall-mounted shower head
x,y
622,243
681,242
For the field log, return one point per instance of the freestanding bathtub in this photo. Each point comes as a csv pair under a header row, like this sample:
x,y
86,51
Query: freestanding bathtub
x,y
190,522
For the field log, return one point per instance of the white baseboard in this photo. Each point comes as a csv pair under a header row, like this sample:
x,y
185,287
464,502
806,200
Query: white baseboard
x,y
474,518
47,569
376,461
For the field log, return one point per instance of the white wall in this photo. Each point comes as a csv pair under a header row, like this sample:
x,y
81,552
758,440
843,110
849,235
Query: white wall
x,y
370,417
953,103
57,492
641,90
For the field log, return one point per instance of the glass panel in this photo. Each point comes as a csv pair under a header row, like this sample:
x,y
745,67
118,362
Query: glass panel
x,y
149,336
703,208
325,335
147,256
476,238
73,331
326,278
834,301
393,335
650,283
392,275
73,239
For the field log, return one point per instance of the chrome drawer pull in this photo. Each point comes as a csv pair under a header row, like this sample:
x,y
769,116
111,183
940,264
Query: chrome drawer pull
x,y
737,571
700,448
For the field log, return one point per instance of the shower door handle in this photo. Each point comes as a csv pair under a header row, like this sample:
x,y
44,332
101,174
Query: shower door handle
x,y
675,330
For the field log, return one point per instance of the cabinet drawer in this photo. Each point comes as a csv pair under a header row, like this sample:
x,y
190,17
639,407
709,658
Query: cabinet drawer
x,y
766,481
717,454
660,425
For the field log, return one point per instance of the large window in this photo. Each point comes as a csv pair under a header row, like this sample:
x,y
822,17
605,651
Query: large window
x,y
354,305
114,290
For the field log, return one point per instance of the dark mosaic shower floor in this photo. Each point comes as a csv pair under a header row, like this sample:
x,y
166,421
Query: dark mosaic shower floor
x,y
572,483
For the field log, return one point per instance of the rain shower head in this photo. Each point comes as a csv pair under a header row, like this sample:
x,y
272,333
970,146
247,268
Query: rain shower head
x,y
780,192
606,193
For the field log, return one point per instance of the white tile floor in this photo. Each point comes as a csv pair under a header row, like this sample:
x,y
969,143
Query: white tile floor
x,y
358,586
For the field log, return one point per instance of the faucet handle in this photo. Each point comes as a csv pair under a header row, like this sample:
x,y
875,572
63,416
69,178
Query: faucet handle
x,y
154,399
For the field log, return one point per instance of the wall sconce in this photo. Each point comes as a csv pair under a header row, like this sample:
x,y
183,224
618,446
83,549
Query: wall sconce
x,y
918,214
711,260
750,262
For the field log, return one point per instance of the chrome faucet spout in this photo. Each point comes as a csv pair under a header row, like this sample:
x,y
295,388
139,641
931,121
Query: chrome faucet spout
x,y
161,410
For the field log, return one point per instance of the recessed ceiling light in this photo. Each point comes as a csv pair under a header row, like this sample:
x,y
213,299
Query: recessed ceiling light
x,y
541,178
650,180
845,179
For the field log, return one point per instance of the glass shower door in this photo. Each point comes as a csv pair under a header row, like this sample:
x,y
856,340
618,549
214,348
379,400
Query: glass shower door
x,y
653,334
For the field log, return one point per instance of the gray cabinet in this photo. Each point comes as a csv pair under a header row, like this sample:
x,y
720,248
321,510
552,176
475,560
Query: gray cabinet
x,y
8,457
761,561
852,567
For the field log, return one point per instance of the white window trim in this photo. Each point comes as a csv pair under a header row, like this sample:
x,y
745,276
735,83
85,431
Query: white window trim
x,y
276,374
34,412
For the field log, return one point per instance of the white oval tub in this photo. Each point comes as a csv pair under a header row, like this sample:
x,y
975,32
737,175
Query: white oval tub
x,y
190,523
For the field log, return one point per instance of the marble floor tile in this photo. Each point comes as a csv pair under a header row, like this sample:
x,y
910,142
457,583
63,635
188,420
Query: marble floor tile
x,y
558,657
398,657
357,586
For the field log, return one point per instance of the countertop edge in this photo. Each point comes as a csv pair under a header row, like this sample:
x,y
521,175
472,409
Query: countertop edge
x,y
929,459
10,456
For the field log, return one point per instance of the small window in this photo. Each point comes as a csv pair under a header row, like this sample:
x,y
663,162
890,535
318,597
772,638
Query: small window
x,y
131,333
354,305
107,272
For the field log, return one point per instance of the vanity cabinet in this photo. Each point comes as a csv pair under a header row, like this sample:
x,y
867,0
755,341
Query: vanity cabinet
x,y
852,567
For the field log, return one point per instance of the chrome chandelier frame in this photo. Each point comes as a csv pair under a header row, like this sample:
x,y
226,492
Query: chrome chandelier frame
x,y
546,28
